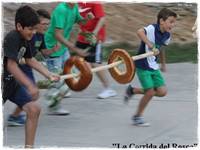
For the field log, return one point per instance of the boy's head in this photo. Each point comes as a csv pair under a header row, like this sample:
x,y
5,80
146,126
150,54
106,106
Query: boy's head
x,y
26,20
166,18
44,18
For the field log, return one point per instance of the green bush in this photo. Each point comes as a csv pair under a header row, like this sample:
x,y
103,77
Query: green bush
x,y
181,53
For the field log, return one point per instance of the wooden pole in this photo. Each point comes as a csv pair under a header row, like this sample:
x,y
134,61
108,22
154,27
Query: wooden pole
x,y
114,64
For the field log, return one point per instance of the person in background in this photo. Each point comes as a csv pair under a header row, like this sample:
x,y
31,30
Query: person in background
x,y
63,17
91,37
194,29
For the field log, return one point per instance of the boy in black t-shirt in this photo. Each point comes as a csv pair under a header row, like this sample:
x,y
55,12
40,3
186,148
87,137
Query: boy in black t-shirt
x,y
17,87
37,45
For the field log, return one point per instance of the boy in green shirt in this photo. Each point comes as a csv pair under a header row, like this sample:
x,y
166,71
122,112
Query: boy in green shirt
x,y
63,17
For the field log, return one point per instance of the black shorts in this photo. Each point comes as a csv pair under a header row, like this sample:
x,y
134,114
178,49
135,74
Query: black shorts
x,y
95,55
19,94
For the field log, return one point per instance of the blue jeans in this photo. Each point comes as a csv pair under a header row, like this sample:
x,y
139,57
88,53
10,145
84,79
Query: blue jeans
x,y
56,64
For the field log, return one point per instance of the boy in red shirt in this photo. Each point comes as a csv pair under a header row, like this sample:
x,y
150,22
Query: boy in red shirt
x,y
95,16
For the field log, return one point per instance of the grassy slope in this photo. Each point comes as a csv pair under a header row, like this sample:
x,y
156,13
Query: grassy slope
x,y
174,52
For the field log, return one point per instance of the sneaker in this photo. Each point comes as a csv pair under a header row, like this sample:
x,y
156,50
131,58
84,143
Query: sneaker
x,y
67,95
16,121
139,121
106,94
128,93
57,110
53,101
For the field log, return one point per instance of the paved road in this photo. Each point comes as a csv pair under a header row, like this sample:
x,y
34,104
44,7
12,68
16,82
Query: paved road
x,y
106,123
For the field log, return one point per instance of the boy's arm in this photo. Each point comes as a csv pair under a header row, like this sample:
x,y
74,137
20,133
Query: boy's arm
x,y
99,25
13,68
141,34
48,52
45,51
32,62
162,61
91,37
79,18
67,43
89,16
99,14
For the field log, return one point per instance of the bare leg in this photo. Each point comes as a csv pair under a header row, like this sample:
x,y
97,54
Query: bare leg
x,y
160,92
17,112
32,110
144,101
138,91
102,76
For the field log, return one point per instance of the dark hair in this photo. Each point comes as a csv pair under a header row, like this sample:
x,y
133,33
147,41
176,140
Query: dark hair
x,y
43,13
26,16
164,14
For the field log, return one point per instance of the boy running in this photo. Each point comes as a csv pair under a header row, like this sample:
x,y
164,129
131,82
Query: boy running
x,y
17,87
153,84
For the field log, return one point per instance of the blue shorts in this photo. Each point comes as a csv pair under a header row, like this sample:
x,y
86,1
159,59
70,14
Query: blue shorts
x,y
22,96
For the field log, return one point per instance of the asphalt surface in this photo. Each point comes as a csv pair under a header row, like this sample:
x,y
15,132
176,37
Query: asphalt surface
x,y
106,123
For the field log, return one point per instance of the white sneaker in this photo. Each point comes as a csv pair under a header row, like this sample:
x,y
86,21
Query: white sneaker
x,y
107,93
57,110
67,95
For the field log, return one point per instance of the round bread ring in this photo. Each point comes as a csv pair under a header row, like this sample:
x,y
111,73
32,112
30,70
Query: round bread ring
x,y
128,75
85,76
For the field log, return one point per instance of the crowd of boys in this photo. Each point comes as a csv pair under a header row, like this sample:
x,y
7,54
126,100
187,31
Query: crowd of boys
x,y
37,31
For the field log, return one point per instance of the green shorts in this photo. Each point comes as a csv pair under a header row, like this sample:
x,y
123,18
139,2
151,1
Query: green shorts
x,y
150,79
